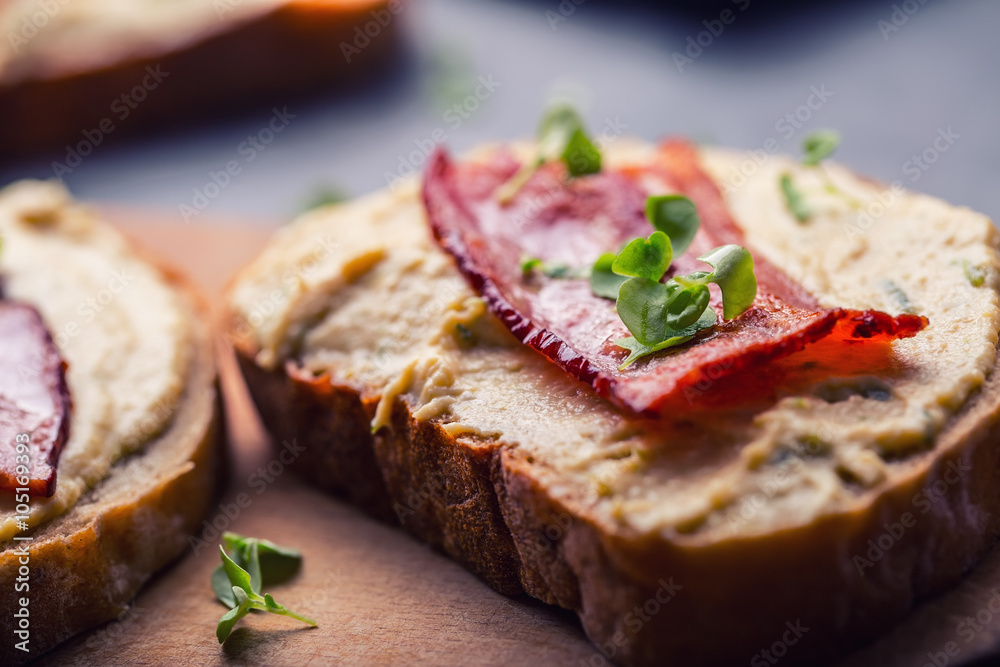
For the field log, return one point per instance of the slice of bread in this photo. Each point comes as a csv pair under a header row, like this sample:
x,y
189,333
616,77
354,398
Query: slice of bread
x,y
810,525
142,463
103,70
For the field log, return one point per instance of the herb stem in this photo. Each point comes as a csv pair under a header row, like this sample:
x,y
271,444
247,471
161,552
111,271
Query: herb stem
x,y
505,193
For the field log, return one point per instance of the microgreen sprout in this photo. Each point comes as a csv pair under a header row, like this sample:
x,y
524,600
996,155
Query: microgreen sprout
x,y
664,314
238,580
561,136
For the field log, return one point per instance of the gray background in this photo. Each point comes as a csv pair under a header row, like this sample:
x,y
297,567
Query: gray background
x,y
891,94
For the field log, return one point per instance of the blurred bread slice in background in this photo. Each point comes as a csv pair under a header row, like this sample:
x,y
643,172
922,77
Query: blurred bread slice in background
x,y
78,73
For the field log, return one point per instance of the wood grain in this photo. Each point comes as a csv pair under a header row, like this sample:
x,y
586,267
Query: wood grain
x,y
379,596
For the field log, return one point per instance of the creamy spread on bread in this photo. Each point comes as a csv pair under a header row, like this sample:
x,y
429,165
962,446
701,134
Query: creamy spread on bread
x,y
115,320
407,326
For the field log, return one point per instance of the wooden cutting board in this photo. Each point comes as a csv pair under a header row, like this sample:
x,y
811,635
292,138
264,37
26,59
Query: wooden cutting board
x,y
379,596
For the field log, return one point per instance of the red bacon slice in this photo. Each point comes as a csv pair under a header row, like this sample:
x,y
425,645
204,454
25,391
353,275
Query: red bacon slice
x,y
575,221
34,402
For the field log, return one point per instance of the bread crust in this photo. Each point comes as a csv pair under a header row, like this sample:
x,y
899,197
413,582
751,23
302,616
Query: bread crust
x,y
87,565
644,598
263,58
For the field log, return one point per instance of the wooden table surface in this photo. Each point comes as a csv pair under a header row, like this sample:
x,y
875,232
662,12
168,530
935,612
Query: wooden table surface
x,y
379,596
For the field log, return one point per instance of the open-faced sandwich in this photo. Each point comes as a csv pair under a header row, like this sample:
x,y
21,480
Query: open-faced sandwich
x,y
101,69
709,415
109,420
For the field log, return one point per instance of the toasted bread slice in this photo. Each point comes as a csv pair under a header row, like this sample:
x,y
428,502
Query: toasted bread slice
x,y
105,70
141,466
815,522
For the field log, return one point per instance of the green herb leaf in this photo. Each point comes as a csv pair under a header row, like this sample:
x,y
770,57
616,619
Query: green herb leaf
x,y
898,295
975,275
237,575
561,136
818,146
733,273
564,271
642,305
229,619
581,156
244,585
555,131
637,350
794,200
251,555
603,281
325,196
687,306
694,278
677,217
276,563
222,588
645,258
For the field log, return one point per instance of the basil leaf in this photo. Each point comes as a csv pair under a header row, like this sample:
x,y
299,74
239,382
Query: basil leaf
x,y
794,200
645,258
603,281
733,273
687,306
818,146
581,156
642,305
677,217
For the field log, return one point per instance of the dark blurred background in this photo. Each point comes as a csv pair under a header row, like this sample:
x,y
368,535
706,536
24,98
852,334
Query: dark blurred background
x,y
892,77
